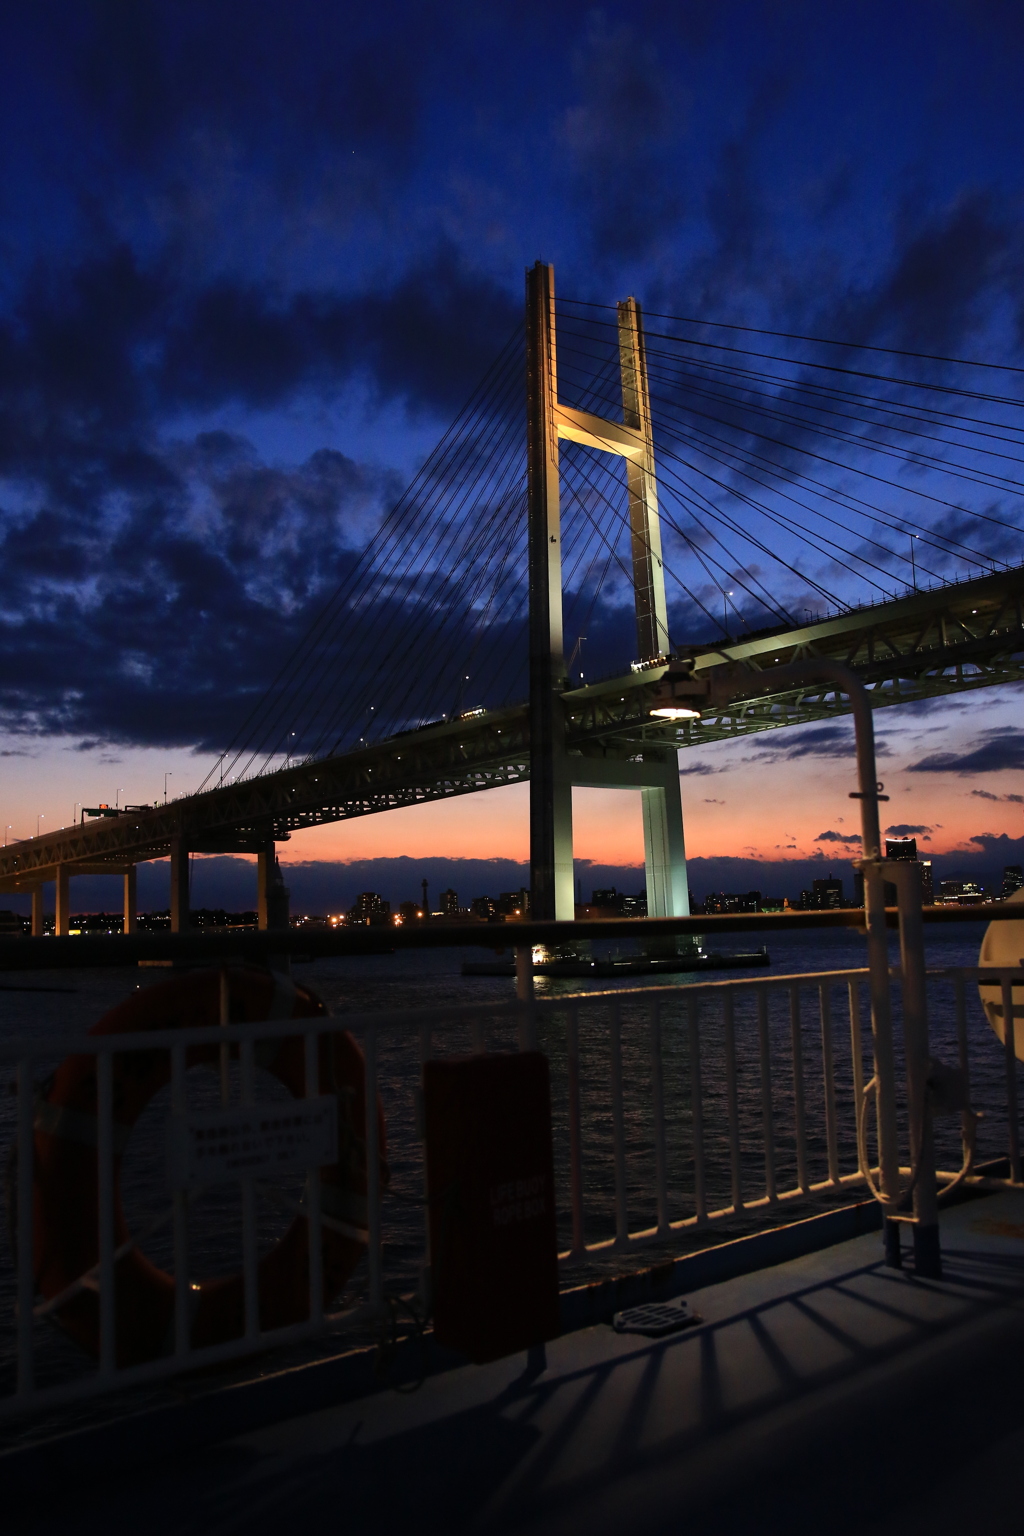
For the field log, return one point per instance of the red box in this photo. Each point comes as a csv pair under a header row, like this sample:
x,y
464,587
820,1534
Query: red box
x,y
490,1177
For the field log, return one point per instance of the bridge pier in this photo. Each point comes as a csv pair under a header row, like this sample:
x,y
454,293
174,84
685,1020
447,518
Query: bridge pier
x,y
657,779
62,919
37,912
131,900
181,918
272,896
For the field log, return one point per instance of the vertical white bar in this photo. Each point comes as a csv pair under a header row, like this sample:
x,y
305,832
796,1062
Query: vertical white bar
x,y
26,1286
579,1242
799,1110
375,1275
426,1273
250,1261
857,1059
225,1019
732,1098
618,1129
105,1200
966,1126
313,1212
658,1096
828,1072
1010,1058
526,994
767,1115
697,1111
182,1322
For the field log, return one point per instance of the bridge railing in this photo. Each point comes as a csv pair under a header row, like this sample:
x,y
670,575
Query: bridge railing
x,y
677,1111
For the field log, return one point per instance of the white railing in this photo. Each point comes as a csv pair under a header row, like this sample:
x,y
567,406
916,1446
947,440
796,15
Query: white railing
x,y
690,1105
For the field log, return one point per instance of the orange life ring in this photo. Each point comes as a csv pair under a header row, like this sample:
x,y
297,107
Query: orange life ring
x,y
65,1182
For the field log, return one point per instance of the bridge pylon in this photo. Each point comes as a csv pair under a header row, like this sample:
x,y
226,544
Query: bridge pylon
x,y
554,767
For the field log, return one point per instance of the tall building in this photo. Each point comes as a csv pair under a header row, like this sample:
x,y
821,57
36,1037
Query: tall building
x,y
369,908
1013,880
829,892
901,848
927,883
449,903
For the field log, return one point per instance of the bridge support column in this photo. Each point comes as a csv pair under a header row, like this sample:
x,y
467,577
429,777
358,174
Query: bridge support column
x,y
130,900
664,848
62,922
181,917
37,912
264,877
551,877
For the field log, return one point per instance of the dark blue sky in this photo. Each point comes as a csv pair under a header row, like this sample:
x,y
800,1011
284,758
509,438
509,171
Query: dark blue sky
x,y
254,258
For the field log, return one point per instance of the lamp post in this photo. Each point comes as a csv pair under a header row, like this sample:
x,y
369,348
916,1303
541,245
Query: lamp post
x,y
39,818
168,775
725,612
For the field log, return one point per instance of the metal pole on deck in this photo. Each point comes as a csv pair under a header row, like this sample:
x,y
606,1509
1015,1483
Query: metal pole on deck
x,y
927,1255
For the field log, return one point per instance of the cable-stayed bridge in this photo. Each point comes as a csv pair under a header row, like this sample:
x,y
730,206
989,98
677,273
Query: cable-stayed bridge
x,y
684,500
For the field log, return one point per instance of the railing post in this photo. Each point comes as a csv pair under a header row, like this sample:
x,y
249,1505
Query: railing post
x,y
1010,1060
618,1130
829,1084
105,1213
526,994
26,1283
767,1106
250,1264
700,1197
579,1241
373,1254
927,1256
182,1291
313,1203
799,1106
732,1099
658,1097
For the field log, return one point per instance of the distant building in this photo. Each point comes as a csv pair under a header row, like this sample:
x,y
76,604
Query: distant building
x,y
927,883
635,906
901,848
514,903
828,893
961,893
369,908
12,923
723,901
485,908
449,903
409,912
1013,880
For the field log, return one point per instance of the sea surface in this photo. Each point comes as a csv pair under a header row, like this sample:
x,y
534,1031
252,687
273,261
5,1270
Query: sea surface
x,y
43,1005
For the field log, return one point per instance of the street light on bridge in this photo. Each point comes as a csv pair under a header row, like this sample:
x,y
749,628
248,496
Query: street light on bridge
x,y
168,775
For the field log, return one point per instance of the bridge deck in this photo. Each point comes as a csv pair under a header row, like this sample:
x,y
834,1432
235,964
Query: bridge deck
x,y
924,645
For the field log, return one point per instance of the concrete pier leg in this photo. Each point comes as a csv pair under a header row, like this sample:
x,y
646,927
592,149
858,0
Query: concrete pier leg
x,y
37,912
62,923
264,877
130,900
181,919
664,850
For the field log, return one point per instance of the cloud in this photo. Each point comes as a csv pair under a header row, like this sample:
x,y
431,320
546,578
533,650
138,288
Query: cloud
x,y
832,740
848,838
984,794
903,829
999,748
701,769
714,802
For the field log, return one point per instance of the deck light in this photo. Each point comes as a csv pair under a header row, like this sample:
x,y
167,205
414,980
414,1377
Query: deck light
x,y
675,712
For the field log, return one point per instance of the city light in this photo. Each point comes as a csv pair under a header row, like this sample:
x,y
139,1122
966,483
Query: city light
x,y
675,712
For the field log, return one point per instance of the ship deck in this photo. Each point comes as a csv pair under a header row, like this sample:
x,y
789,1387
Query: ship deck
x,y
825,1393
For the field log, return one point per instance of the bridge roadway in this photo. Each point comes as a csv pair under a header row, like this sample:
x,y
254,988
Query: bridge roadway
x,y
967,634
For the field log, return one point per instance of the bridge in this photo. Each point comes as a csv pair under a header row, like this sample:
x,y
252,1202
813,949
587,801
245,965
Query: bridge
x,y
622,730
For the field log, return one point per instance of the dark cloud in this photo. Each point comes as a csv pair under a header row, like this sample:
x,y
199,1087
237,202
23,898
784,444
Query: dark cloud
x,y
701,769
903,829
839,837
835,739
999,748
985,794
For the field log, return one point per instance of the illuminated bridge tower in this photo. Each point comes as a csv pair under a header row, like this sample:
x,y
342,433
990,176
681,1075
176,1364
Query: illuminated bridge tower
x,y
554,767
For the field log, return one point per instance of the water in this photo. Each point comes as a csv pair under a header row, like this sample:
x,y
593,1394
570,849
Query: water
x,y
432,978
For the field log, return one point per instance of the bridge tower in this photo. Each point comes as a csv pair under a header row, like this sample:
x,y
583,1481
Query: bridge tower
x,y
555,768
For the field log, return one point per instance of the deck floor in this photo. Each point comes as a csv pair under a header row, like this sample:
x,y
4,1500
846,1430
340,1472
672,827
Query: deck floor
x,y
827,1395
